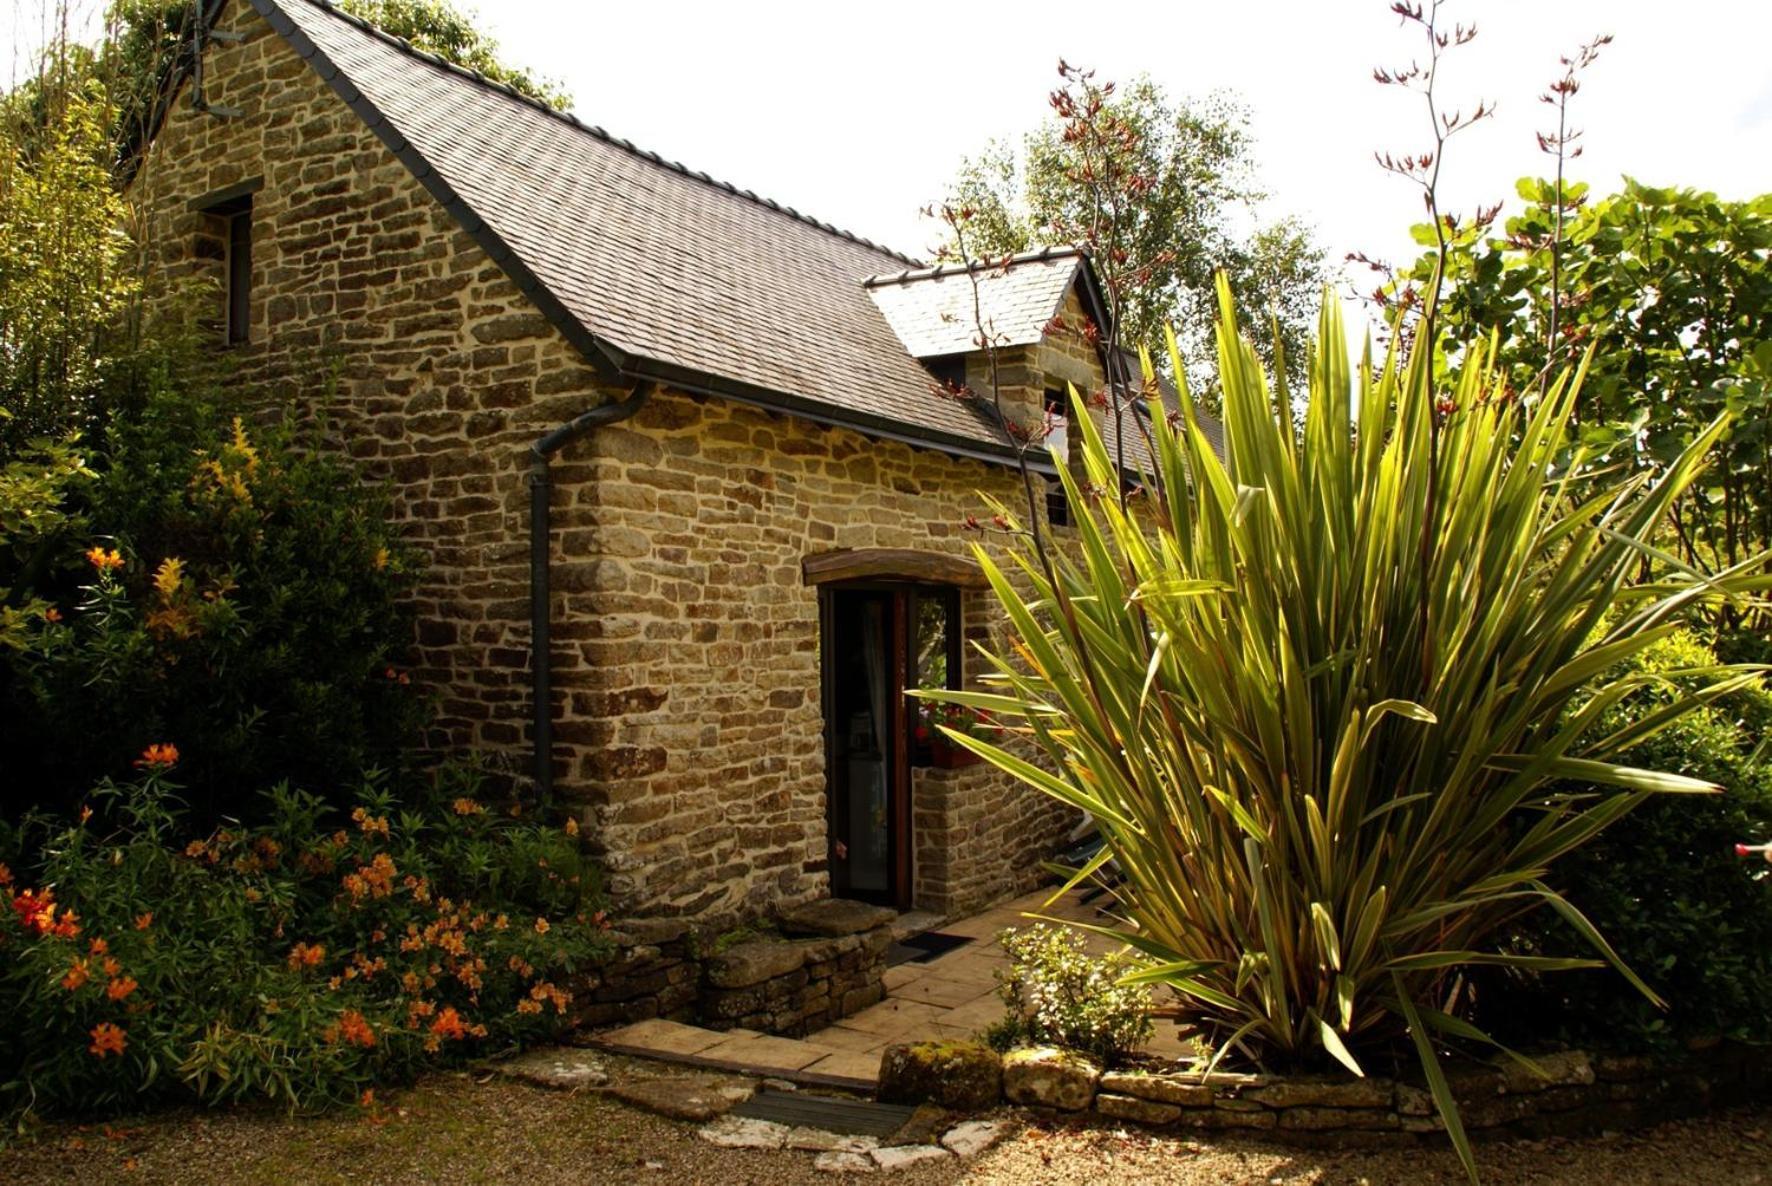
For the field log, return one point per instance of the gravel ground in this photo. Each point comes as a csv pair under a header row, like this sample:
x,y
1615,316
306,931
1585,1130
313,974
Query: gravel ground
x,y
452,1128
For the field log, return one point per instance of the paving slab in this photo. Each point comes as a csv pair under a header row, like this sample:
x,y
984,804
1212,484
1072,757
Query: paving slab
x,y
661,1037
854,1068
935,990
763,1054
842,1039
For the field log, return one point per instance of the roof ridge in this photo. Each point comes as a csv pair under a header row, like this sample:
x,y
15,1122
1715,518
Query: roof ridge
x,y
955,269
599,133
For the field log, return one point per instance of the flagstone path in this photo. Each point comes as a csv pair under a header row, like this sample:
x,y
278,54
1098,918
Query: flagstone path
x,y
952,996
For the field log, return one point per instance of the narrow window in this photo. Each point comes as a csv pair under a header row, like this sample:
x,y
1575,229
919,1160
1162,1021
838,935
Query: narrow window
x,y
934,636
240,272
227,238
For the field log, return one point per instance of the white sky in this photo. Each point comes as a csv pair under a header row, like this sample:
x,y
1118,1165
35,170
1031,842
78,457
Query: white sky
x,y
859,113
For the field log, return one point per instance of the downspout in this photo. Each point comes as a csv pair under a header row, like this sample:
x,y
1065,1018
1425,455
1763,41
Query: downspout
x,y
541,684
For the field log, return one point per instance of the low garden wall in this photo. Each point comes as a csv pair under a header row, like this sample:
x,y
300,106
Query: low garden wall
x,y
1577,1093
827,963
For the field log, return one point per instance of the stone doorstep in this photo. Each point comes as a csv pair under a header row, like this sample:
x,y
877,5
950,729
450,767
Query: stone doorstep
x,y
743,1052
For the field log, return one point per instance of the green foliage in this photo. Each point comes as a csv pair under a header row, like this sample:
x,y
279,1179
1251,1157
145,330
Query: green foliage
x,y
439,27
1665,887
65,285
34,493
236,594
296,962
1322,697
1194,161
1674,290
1059,995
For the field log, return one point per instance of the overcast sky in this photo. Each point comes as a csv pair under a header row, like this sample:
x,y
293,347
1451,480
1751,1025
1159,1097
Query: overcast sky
x,y
859,113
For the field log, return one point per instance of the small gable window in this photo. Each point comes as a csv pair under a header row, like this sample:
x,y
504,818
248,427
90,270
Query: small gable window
x,y
228,220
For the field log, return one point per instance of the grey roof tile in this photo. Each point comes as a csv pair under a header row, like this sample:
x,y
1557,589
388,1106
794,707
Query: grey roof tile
x,y
933,313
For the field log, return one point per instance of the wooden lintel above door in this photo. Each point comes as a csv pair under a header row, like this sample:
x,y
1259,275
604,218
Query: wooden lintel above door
x,y
908,564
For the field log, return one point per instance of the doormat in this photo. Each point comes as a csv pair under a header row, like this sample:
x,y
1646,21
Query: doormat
x,y
920,949
854,1118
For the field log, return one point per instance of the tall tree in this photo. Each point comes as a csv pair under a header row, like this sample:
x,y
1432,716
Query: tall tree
x,y
1164,191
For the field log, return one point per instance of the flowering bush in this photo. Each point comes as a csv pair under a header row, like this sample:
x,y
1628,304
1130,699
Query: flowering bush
x,y
1058,995
210,582
296,961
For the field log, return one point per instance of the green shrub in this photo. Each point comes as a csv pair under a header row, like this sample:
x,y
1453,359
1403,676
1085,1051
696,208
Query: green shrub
x,y
1665,887
1059,995
1323,695
224,589
298,961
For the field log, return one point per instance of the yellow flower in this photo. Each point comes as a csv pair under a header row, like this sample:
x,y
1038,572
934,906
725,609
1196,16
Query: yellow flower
x,y
381,559
169,577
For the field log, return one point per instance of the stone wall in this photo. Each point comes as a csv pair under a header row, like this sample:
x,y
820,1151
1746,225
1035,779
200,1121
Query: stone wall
x,y
377,316
701,743
686,646
828,963
1569,1093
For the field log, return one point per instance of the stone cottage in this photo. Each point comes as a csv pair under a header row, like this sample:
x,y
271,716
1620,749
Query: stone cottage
x,y
690,493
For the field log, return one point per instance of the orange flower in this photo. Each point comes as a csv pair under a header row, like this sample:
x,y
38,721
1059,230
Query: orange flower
x,y
370,823
354,1028
541,926
158,757
571,826
97,947
36,911
5,874
107,1039
52,614
104,559
144,920
466,806
447,1024
120,988
78,975
306,955
111,967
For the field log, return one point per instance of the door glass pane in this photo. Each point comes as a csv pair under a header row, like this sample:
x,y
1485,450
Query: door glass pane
x,y
862,751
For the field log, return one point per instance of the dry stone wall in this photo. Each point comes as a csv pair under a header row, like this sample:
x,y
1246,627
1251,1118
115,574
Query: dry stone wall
x,y
686,646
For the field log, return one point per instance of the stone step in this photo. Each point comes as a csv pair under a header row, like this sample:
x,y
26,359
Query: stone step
x,y
744,1051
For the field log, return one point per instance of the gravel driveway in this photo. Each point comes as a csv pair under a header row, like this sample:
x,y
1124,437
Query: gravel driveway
x,y
455,1129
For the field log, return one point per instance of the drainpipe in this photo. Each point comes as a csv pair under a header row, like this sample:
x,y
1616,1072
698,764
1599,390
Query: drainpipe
x,y
540,535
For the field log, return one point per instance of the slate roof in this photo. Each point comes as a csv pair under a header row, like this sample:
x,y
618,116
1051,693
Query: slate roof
x,y
932,311
658,272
